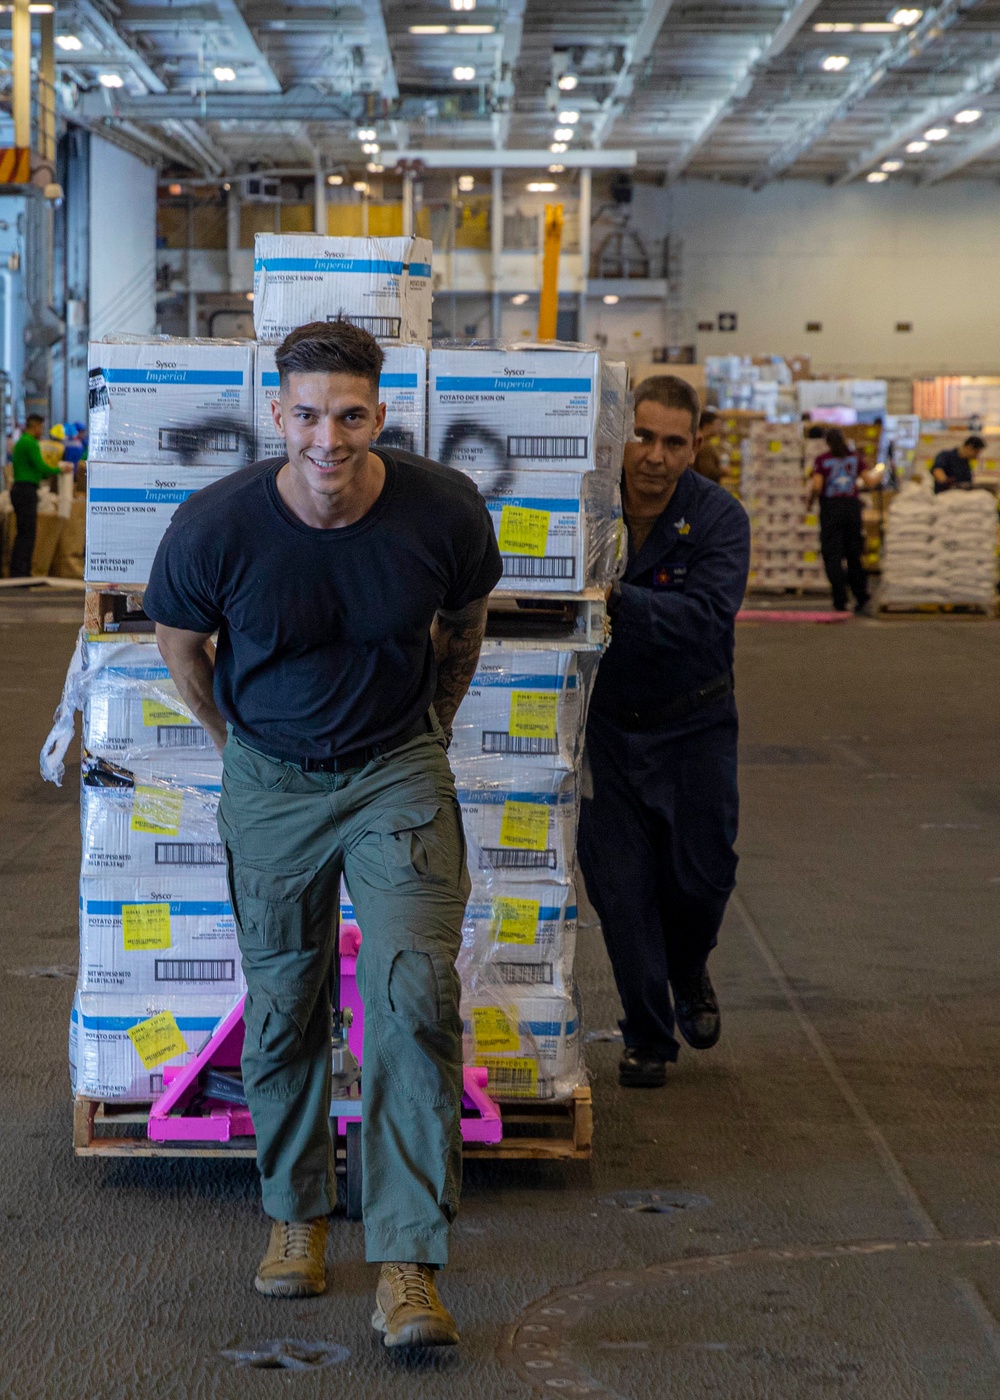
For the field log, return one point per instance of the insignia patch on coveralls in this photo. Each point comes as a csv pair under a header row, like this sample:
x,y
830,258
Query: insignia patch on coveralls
x,y
682,527
669,576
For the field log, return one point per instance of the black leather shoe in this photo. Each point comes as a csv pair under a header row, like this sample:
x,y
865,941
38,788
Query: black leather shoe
x,y
696,1010
642,1069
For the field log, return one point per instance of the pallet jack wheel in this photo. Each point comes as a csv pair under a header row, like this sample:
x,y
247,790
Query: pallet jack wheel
x,y
352,1148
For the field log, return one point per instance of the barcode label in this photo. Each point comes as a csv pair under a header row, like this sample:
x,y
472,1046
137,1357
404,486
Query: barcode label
x,y
546,449
497,741
189,853
502,858
195,970
199,440
381,327
527,566
524,974
182,736
397,437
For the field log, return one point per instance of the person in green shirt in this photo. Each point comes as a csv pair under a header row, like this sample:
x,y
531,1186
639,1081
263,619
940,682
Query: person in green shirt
x,y
30,468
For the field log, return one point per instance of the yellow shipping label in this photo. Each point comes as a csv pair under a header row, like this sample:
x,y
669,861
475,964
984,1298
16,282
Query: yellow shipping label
x,y
518,920
146,927
533,714
157,811
812,521
775,446
524,825
493,1031
154,713
810,556
515,1078
157,1040
523,531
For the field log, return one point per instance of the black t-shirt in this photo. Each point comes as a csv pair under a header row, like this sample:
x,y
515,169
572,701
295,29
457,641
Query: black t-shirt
x,y
324,635
955,467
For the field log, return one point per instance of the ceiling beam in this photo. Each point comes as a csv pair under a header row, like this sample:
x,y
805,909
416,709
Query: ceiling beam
x,y
245,48
457,159
297,104
977,149
794,18
639,47
117,44
980,81
378,42
895,54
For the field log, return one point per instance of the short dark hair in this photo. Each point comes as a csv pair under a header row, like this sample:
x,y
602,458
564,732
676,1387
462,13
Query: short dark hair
x,y
34,418
670,391
330,347
708,415
975,442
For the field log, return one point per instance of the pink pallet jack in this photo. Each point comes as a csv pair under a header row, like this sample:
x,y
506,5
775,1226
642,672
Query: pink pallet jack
x,y
203,1101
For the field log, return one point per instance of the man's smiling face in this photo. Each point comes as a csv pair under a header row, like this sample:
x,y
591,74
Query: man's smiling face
x,y
329,422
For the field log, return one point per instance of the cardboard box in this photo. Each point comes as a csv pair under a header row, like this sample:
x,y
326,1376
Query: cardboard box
x,y
557,531
525,406
380,284
104,1060
524,703
168,402
521,827
523,937
129,507
529,1044
403,390
143,933
155,830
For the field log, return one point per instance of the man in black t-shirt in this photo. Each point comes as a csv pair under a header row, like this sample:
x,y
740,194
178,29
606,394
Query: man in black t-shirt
x,y
348,587
952,470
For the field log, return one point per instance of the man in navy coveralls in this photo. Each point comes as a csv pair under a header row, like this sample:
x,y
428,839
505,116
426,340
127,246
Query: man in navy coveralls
x,y
657,836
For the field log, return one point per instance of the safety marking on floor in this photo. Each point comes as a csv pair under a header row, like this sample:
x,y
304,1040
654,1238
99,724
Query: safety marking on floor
x,y
541,1346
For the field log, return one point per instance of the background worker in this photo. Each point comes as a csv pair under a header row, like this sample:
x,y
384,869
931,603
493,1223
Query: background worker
x,y
30,469
952,469
349,587
657,835
836,475
708,461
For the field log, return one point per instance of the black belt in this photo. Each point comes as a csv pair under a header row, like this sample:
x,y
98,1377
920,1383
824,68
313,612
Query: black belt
x,y
350,758
655,716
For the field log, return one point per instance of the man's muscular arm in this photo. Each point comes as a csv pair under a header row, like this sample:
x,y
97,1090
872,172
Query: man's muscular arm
x,y
457,637
191,667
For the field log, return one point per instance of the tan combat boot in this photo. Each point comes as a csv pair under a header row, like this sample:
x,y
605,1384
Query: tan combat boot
x,y
295,1263
408,1311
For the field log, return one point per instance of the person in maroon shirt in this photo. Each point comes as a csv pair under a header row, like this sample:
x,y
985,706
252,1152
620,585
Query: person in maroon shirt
x,y
836,474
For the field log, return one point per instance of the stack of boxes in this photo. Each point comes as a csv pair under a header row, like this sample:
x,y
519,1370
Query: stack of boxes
x,y
784,534
541,430
940,549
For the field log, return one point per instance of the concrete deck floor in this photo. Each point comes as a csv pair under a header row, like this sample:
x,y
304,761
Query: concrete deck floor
x,y
837,1156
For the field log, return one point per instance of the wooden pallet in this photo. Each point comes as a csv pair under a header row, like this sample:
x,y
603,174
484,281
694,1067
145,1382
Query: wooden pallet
x,y
532,1132
567,619
114,612
936,609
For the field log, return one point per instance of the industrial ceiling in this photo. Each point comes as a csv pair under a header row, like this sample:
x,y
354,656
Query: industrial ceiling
x,y
741,90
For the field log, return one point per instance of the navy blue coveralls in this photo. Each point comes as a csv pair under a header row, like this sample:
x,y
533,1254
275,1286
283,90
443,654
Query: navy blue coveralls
x,y
656,839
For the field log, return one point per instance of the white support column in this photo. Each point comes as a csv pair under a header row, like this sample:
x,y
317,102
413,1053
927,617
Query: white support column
x,y
496,253
47,92
584,217
192,299
408,220
233,236
319,199
21,19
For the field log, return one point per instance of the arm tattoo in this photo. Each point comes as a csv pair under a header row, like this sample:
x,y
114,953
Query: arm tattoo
x,y
457,637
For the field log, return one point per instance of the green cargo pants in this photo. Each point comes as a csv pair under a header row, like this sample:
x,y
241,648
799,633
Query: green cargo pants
x,y
395,828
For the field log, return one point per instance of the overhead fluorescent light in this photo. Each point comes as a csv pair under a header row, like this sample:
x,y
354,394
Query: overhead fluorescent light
x,y
475,29
365,133
466,183
430,28
371,148
175,189
556,169
971,114
361,186
611,299
879,27
463,74
891,166
834,28
877,177
335,179
916,148
558,148
463,4
69,43
542,187
568,118
568,82
111,80
224,75
519,300
936,133
835,63
906,18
